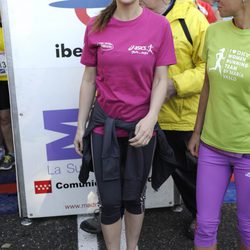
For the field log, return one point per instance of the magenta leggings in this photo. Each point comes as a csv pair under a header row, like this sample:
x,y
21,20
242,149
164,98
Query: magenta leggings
x,y
213,177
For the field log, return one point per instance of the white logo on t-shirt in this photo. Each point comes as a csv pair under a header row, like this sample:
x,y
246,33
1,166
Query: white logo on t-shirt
x,y
106,46
141,49
219,58
247,174
231,63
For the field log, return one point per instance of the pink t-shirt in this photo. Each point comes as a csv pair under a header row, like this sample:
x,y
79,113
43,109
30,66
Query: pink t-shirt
x,y
126,54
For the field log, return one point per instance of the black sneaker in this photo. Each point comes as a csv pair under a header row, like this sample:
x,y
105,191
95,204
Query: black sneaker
x,y
7,162
191,229
92,225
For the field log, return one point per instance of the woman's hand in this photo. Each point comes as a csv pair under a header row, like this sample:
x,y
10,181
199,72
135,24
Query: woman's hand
x,y
193,144
171,92
78,141
143,131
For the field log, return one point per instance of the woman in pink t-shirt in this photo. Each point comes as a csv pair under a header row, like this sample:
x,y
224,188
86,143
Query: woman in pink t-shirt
x,y
126,52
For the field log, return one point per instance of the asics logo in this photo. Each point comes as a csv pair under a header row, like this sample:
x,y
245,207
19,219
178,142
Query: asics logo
x,y
141,49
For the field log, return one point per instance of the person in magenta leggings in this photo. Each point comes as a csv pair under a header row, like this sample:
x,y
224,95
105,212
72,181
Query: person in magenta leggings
x,y
221,138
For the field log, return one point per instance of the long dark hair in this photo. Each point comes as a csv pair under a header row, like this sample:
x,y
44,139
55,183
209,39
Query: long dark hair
x,y
103,18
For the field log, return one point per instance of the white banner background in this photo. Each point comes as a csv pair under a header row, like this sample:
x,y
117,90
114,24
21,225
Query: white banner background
x,y
47,83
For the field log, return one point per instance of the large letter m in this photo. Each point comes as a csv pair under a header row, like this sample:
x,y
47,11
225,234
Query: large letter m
x,y
61,121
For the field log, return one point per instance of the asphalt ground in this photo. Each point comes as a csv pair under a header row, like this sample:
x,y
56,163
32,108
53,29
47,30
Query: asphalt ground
x,y
163,229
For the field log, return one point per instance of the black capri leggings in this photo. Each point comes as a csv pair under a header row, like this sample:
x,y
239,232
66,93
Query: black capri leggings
x,y
110,192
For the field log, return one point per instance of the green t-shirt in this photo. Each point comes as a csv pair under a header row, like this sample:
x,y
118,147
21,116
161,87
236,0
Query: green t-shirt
x,y
227,119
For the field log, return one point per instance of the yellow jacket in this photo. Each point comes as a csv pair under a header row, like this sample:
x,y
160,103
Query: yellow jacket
x,y
179,113
2,77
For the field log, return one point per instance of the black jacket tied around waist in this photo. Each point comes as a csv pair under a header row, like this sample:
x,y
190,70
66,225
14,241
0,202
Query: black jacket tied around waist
x,y
163,164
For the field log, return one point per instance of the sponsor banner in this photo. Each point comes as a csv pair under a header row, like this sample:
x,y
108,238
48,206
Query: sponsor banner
x,y
46,45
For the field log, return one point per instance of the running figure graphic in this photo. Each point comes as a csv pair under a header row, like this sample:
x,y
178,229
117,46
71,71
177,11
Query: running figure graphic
x,y
219,57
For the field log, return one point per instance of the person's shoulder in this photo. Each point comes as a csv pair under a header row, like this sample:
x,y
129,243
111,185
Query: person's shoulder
x,y
218,25
195,13
195,19
217,28
91,21
157,22
90,26
155,17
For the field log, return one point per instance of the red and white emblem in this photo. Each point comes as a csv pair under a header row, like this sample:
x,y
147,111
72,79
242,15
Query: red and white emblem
x,y
43,187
